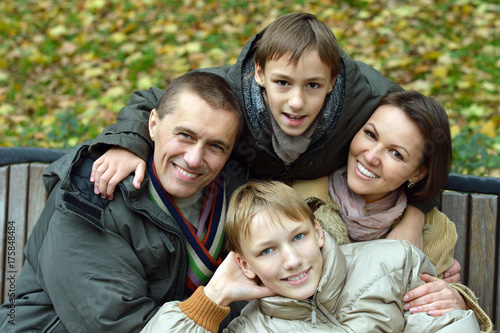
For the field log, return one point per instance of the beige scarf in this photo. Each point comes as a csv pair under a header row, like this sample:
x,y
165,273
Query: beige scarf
x,y
365,220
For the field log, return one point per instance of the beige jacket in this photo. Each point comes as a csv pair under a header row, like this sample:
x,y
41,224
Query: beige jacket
x,y
439,237
361,290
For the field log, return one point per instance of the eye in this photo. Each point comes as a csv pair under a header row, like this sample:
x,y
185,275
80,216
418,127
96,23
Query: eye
x,y
266,252
370,134
282,83
218,147
185,136
299,237
313,85
397,155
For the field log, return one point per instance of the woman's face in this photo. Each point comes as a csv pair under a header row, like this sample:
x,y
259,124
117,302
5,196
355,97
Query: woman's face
x,y
385,153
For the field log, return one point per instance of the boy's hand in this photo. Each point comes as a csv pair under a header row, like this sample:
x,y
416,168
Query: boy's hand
x,y
435,297
229,284
113,167
410,227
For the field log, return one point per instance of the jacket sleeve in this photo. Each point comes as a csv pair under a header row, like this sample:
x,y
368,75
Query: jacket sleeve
x,y
196,314
93,277
471,301
440,237
131,128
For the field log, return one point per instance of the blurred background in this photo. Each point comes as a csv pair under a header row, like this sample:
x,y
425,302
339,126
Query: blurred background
x,y
67,67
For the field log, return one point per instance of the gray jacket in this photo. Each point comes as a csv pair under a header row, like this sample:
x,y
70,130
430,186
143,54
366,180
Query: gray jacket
x,y
94,265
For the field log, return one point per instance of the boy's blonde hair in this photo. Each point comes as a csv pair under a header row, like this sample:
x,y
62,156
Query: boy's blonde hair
x,y
294,35
271,197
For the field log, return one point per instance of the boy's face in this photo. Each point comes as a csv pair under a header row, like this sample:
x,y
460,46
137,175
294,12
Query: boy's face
x,y
285,256
295,94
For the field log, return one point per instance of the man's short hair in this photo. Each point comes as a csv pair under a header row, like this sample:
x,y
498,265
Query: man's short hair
x,y
270,197
211,88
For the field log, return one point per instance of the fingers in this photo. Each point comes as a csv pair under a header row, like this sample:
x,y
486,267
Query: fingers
x,y
139,174
452,274
436,297
114,166
435,309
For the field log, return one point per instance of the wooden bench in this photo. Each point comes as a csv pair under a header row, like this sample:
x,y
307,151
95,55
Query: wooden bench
x,y
471,202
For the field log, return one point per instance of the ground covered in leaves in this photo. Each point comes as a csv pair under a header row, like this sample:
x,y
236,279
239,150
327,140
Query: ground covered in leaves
x,y
67,67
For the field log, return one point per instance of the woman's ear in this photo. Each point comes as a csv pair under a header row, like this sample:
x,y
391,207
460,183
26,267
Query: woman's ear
x,y
419,174
153,122
259,76
245,268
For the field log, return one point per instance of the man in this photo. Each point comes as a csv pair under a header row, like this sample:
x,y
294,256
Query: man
x,y
94,265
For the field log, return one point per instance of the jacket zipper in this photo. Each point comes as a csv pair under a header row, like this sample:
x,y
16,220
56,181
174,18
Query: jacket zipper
x,y
314,309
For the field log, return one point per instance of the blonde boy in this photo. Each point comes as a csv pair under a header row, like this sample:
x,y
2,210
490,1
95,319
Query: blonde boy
x,y
278,248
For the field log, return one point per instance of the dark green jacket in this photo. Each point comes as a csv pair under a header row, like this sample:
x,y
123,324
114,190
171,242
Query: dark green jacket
x,y
364,89
102,266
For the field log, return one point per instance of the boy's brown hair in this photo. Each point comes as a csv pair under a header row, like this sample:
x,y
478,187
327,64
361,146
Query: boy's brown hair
x,y
294,35
271,197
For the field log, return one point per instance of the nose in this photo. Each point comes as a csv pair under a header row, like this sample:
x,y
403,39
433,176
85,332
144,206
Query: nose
x,y
296,101
194,156
291,258
372,155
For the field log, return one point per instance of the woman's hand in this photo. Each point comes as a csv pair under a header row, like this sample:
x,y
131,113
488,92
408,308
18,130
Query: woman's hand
x,y
410,227
113,167
229,284
435,297
452,274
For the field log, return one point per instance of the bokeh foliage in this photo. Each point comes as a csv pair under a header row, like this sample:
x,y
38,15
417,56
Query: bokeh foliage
x,y
67,67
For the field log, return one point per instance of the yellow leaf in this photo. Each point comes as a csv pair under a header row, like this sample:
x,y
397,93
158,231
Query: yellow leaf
x,y
93,72
7,109
57,31
440,72
115,92
489,129
118,37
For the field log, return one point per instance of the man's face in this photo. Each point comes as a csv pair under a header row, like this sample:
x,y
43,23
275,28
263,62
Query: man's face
x,y
192,144
284,255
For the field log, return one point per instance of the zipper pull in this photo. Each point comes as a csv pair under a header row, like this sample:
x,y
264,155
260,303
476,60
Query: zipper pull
x,y
313,315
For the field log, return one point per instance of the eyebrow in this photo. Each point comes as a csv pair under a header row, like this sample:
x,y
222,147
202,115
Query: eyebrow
x,y
286,77
190,131
267,243
393,145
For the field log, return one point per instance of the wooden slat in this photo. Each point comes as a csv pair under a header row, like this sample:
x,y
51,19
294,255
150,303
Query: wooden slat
x,y
4,174
483,250
37,195
456,206
16,219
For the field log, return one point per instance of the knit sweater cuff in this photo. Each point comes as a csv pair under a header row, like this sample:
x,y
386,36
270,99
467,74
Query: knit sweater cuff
x,y
471,301
203,311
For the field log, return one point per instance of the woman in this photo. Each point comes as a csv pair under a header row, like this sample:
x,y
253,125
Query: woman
x,y
403,152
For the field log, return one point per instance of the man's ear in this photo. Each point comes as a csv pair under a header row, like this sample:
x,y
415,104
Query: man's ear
x,y
153,122
259,76
320,234
249,273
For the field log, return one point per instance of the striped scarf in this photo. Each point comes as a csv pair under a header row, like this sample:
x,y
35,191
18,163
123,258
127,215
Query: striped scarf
x,y
205,243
